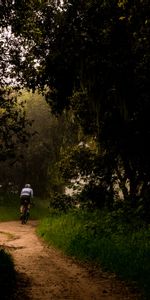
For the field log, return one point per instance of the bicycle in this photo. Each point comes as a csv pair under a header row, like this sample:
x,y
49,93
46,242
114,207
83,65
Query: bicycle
x,y
25,213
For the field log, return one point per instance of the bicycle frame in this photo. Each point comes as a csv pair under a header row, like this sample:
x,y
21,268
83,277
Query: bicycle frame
x,y
25,213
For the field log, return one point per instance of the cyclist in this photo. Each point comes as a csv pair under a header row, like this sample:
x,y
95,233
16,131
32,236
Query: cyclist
x,y
25,196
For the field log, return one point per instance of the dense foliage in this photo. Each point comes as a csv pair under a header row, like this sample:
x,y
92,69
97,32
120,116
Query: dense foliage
x,y
92,57
13,123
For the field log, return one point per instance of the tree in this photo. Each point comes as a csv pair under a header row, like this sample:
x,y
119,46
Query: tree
x,y
95,54
13,122
36,160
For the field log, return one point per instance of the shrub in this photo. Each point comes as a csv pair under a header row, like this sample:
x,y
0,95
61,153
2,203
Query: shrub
x,y
61,202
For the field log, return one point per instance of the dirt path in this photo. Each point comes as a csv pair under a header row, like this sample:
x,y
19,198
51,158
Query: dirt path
x,y
46,274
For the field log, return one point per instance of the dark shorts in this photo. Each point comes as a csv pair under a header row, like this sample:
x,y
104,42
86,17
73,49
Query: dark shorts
x,y
25,199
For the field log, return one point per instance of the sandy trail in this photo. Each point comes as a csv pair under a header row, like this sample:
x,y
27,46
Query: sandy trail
x,y
46,274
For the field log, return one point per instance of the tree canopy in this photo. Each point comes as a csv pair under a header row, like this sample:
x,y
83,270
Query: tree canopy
x,y
92,57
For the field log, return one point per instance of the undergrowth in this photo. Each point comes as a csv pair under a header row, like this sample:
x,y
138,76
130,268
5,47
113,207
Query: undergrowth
x,y
10,208
105,239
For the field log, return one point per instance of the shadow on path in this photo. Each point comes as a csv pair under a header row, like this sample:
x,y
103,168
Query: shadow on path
x,y
20,287
15,288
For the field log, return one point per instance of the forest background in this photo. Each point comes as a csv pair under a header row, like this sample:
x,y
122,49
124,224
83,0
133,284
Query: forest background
x,y
90,61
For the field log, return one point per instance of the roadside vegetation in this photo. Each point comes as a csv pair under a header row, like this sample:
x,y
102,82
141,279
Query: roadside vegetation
x,y
105,239
111,239
10,208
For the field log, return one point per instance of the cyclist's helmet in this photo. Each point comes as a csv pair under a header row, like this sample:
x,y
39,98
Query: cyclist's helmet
x,y
27,185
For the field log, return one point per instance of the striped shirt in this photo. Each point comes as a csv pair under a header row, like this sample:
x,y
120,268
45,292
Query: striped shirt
x,y
26,192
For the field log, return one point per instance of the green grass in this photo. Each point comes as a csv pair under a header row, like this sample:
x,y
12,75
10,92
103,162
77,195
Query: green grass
x,y
9,213
99,238
40,209
10,208
108,241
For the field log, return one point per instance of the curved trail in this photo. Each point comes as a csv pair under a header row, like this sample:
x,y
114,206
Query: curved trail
x,y
46,274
